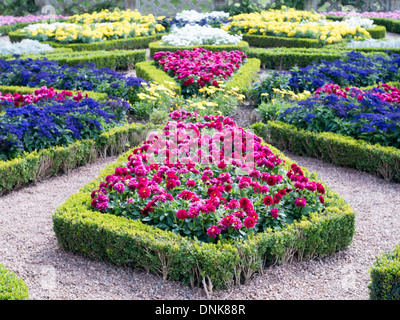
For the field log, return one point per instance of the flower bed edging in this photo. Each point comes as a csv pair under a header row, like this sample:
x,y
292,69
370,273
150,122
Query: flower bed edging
x,y
334,148
121,44
11,286
385,276
156,47
273,42
39,165
115,60
131,243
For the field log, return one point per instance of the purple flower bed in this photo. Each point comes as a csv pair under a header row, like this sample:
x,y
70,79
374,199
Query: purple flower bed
x,y
10,20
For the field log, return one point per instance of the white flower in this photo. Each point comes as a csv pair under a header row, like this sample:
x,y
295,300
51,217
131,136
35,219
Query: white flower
x,y
50,26
199,35
193,17
26,46
375,43
359,21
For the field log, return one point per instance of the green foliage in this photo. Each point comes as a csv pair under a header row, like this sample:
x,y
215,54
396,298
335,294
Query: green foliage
x,y
11,286
156,47
337,149
270,110
20,8
263,90
131,243
379,32
385,276
159,116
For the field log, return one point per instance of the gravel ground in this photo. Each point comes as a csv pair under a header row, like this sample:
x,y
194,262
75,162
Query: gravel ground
x,y
28,247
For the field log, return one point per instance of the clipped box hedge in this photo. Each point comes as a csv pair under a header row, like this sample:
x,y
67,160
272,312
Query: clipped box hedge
x,y
157,46
131,243
287,58
109,45
242,79
261,41
11,286
116,60
334,148
42,164
148,71
379,32
385,276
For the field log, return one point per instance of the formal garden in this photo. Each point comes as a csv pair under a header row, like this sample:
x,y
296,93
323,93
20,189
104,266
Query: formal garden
x,y
244,150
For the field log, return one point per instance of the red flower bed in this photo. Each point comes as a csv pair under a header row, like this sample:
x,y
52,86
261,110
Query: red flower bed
x,y
208,179
197,68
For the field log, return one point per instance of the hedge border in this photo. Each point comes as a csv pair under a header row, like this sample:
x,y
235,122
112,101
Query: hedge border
x,y
131,243
379,32
335,148
120,44
273,42
385,276
149,72
12,287
39,165
116,60
242,79
157,46
286,58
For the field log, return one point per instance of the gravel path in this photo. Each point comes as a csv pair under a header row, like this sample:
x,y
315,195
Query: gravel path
x,y
28,247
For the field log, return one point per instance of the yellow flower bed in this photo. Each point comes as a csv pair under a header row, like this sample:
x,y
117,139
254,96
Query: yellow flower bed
x,y
294,23
100,26
112,16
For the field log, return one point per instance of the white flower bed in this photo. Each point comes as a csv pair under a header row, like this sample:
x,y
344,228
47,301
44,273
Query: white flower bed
x,y
25,46
359,21
193,17
50,26
375,43
199,35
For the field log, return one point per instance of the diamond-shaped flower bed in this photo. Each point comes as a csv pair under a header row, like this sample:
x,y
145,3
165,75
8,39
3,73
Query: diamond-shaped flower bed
x,y
204,202
191,70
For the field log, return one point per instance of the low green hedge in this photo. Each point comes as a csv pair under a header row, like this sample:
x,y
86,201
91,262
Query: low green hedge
x,y
379,32
109,45
148,71
273,42
131,243
116,60
11,286
334,148
242,79
287,58
28,90
39,165
157,46
245,76
385,276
